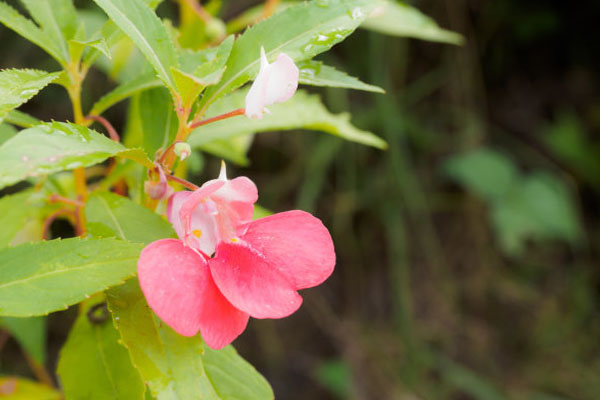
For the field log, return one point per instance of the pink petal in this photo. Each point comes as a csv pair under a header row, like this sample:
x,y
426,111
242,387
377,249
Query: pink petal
x,y
297,244
179,288
172,277
283,80
251,283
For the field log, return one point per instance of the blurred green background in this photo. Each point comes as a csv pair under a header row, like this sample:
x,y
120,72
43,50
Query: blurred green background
x,y
468,251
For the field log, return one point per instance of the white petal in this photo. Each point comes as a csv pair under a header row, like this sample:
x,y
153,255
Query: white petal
x,y
283,80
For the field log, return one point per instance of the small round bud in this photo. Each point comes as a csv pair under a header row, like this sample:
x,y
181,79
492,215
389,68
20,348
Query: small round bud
x,y
216,29
182,150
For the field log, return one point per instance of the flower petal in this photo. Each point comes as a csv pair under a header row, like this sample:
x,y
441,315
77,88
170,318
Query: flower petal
x,y
172,277
283,80
179,288
255,99
251,283
296,244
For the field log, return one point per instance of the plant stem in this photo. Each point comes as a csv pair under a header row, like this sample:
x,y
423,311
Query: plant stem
x,y
74,91
40,372
199,10
270,7
182,182
234,113
112,132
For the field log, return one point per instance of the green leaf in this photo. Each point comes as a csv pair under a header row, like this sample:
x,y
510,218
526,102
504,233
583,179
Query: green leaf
x,y
21,119
93,365
59,273
6,132
111,215
315,73
487,172
30,333
17,388
58,20
175,366
233,149
399,19
200,69
13,20
125,90
301,31
233,377
19,85
301,111
145,29
49,148
170,364
158,119
540,207
16,211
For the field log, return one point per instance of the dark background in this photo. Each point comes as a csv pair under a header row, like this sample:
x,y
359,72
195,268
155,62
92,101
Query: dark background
x,y
425,302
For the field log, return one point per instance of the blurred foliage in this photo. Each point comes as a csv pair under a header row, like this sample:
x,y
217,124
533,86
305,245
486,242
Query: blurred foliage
x,y
467,251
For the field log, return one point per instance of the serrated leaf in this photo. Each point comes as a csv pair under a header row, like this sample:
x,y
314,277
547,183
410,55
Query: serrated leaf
x,y
58,20
170,364
315,73
111,215
21,119
301,31
178,367
23,26
145,29
200,69
19,85
49,148
399,19
301,111
93,365
17,388
158,119
40,278
125,90
30,333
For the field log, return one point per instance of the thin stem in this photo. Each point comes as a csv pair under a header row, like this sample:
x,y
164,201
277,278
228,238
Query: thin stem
x,y
112,132
182,182
74,91
270,7
55,198
234,113
39,370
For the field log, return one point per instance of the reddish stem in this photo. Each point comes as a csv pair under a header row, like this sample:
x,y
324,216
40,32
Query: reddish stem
x,y
182,182
112,132
234,113
55,198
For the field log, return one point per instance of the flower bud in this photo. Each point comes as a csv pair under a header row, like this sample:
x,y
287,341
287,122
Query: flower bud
x,y
182,150
215,29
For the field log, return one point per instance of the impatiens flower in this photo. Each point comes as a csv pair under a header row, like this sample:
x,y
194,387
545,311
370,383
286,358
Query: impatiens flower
x,y
256,269
275,83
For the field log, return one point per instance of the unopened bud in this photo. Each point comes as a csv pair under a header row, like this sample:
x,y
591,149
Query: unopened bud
x,y
215,29
182,150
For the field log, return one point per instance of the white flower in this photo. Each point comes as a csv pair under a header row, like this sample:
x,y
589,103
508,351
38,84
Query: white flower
x,y
274,83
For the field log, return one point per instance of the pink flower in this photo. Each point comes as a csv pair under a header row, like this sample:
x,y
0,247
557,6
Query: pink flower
x,y
275,83
256,270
